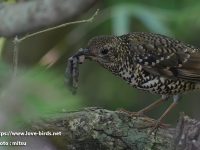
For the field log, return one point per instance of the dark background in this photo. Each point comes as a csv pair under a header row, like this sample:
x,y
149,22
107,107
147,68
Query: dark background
x,y
39,89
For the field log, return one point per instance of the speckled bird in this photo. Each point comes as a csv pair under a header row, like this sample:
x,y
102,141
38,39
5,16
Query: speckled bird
x,y
149,62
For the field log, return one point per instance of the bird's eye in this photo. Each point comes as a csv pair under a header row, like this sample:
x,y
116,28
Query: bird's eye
x,y
104,51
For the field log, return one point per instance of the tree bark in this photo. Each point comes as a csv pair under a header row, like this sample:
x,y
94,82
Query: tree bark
x,y
100,129
26,17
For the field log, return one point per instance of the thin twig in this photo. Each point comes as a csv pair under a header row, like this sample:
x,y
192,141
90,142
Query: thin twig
x,y
59,26
16,42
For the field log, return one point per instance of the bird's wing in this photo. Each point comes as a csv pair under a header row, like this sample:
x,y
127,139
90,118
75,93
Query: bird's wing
x,y
160,55
190,70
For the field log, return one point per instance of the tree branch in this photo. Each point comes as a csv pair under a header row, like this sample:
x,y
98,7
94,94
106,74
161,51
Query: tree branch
x,y
95,128
31,16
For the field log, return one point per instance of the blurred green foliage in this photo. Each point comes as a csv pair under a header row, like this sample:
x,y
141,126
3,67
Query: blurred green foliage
x,y
39,91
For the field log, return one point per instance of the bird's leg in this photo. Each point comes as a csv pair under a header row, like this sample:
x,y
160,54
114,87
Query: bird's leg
x,y
158,122
148,108
152,105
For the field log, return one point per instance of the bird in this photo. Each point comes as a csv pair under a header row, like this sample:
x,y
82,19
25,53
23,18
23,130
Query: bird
x,y
150,62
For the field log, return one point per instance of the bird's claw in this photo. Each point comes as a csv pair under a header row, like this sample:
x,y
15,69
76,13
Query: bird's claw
x,y
156,125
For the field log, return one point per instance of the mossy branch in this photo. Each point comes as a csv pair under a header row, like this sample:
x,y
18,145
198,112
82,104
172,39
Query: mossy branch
x,y
95,128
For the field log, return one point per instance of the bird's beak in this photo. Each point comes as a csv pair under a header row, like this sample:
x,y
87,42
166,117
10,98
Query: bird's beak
x,y
85,52
82,52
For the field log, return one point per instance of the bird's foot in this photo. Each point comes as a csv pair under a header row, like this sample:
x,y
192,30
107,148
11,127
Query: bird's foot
x,y
132,114
156,125
153,124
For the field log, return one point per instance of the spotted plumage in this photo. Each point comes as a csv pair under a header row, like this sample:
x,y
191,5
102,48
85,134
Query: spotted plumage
x,y
149,62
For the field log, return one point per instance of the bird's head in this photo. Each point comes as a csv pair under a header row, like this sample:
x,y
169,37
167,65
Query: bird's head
x,y
105,50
